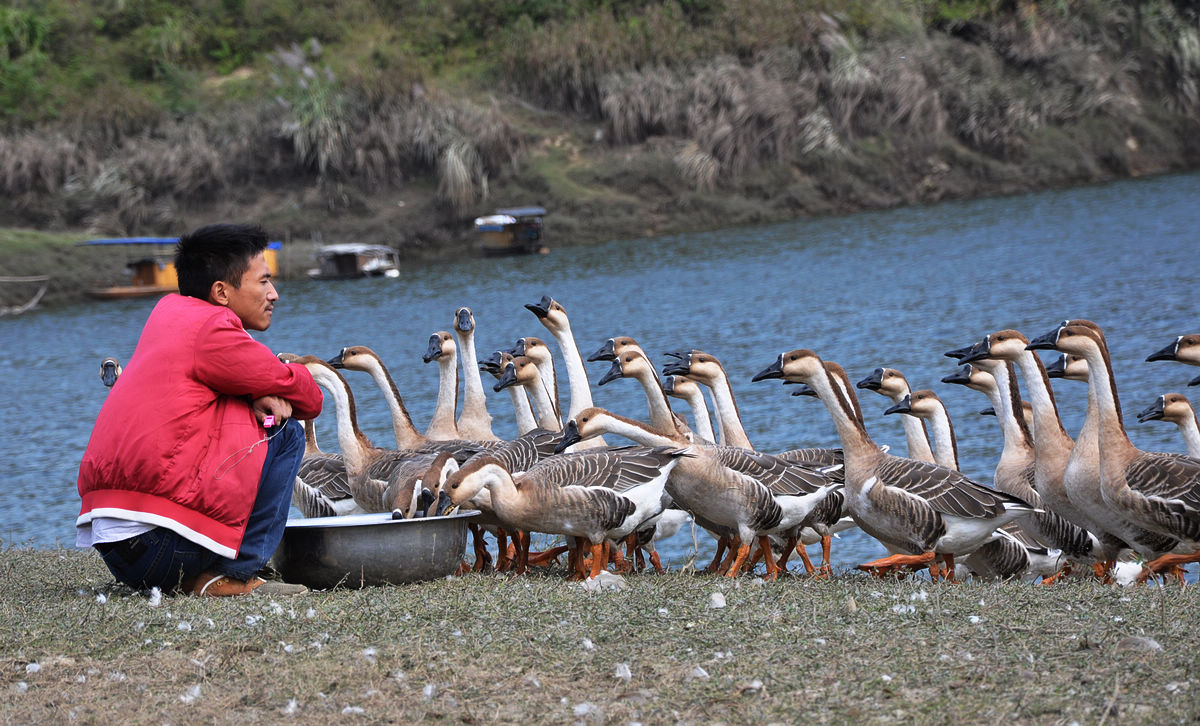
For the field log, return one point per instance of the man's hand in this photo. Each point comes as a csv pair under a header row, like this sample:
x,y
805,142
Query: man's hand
x,y
280,408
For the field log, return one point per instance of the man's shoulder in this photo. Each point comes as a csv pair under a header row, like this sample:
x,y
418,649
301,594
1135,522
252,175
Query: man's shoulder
x,y
182,310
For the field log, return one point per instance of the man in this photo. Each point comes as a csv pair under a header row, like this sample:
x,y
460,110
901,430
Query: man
x,y
186,481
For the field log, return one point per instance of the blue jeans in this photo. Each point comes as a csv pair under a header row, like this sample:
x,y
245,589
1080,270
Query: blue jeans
x,y
162,558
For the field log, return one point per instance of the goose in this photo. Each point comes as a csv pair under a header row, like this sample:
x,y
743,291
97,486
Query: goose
x,y
1175,408
633,363
474,421
1070,367
686,389
362,358
553,317
891,383
321,488
444,350
592,496
1185,349
614,347
523,372
918,510
728,490
495,365
1066,474
1158,492
1016,470
110,371
1013,553
536,350
706,369
379,480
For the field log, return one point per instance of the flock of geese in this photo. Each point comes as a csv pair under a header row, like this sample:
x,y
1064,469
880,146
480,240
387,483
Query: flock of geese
x,y
1055,505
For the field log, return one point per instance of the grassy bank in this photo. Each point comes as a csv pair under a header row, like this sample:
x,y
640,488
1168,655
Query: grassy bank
x,y
482,649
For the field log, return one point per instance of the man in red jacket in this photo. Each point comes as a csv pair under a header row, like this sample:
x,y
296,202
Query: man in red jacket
x,y
187,480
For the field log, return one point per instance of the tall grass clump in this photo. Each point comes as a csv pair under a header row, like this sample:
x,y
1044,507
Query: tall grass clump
x,y
315,107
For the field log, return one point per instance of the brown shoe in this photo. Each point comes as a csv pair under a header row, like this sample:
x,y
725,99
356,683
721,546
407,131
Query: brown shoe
x,y
211,584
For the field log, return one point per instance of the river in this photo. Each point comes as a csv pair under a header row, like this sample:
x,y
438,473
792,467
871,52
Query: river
x,y
894,288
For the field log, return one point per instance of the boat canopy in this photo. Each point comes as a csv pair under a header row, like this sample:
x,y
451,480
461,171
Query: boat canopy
x,y
523,211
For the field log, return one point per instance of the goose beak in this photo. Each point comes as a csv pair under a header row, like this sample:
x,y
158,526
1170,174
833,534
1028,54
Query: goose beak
x,y
1045,342
803,390
1153,412
606,352
989,411
958,353
1167,353
962,376
1057,367
433,351
614,372
509,378
979,351
492,364
518,349
1195,381
873,381
668,383
679,367
775,370
464,322
904,406
542,307
336,361
570,436
108,373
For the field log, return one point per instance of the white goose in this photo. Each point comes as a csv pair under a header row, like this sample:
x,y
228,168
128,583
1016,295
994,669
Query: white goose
x,y
444,350
892,384
918,510
1157,492
1176,409
552,315
474,422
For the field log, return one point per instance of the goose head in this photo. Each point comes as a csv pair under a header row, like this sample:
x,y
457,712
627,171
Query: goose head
x,y
680,386
630,364
589,423
355,358
520,371
550,313
1071,336
1070,367
533,348
696,364
885,381
922,404
464,320
472,477
1173,407
1005,344
434,481
1185,349
441,344
496,363
110,371
800,365
614,347
973,377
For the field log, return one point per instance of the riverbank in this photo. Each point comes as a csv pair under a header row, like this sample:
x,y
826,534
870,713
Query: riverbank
x,y
539,650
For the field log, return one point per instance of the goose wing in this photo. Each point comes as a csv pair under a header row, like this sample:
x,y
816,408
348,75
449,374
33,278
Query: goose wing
x,y
945,490
1169,485
778,475
325,473
526,450
618,469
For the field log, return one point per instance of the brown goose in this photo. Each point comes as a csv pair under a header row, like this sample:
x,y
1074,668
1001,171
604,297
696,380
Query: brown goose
x,y
917,509
494,365
1176,409
523,373
925,405
687,390
594,496
1185,349
444,350
1158,492
706,369
633,363
536,350
380,480
732,492
554,318
892,384
474,421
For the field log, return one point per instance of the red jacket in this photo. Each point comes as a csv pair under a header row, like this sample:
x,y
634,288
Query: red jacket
x,y
175,444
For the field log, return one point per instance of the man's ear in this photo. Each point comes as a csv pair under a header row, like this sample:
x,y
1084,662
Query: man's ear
x,y
218,294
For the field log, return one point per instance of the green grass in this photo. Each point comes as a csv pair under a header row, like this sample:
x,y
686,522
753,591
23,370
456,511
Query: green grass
x,y
487,648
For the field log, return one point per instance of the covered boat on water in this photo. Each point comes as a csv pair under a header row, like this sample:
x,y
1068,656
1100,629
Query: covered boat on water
x,y
516,230
351,259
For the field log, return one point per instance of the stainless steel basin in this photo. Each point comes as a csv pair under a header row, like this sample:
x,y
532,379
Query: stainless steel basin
x,y
370,549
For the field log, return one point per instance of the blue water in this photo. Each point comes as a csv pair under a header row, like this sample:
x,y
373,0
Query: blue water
x,y
894,288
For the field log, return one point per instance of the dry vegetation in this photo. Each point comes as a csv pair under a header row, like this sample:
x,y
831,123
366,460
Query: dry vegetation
x,y
486,649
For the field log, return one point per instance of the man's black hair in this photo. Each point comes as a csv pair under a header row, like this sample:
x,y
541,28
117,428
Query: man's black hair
x,y
216,252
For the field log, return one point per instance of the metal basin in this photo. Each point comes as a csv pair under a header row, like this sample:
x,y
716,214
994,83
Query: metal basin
x,y
370,549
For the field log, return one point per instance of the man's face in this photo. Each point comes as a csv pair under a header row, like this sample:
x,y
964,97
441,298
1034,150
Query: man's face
x,y
254,300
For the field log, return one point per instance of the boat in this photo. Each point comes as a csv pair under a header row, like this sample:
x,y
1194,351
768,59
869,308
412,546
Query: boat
x,y
348,260
152,268
517,230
